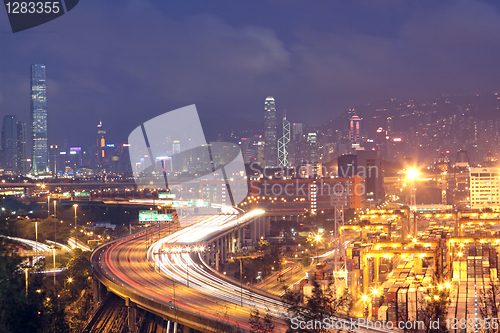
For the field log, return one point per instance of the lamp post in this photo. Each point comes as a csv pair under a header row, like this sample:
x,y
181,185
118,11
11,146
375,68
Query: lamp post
x,y
55,293
412,175
317,238
76,231
36,239
55,223
48,206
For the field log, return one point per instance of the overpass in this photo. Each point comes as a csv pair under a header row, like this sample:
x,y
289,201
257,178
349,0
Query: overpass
x,y
175,278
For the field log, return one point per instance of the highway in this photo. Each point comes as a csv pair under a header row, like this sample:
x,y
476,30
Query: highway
x,y
172,269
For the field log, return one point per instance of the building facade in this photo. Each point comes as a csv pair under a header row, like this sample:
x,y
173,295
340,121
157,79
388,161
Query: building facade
x,y
485,188
38,120
22,148
101,145
9,143
270,133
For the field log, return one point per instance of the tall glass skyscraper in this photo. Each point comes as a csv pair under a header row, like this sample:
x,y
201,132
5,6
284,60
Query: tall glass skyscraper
x,y
38,118
9,143
270,133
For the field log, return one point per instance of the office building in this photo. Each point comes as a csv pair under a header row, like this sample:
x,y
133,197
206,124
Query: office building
x,y
101,145
370,168
270,133
312,140
485,188
347,166
22,148
38,120
366,164
355,130
53,159
9,143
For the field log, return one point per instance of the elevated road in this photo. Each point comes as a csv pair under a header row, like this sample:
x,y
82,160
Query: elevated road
x,y
172,280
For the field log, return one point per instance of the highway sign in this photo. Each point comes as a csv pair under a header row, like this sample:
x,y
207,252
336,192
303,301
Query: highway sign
x,y
153,216
166,195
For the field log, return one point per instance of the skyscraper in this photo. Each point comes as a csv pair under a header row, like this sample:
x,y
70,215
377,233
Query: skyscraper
x,y
355,131
38,119
22,148
9,143
101,145
270,133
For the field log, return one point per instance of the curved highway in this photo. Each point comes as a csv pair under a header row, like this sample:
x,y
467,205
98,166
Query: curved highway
x,y
173,270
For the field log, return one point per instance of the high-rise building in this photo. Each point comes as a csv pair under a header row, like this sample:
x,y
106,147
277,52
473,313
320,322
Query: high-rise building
x,y
270,133
296,131
53,159
485,188
22,148
355,130
101,145
176,147
9,143
389,126
38,119
370,168
312,140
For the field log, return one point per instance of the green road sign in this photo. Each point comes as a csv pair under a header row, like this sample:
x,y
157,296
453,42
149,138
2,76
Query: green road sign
x,y
166,195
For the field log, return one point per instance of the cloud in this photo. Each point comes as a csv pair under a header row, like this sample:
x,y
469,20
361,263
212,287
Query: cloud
x,y
129,63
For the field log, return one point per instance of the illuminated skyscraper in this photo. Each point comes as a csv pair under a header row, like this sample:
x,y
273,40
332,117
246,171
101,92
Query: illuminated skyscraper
x,y
38,119
101,145
355,130
9,143
176,147
270,133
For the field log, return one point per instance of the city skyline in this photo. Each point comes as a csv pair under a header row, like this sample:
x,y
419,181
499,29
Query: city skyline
x,y
340,56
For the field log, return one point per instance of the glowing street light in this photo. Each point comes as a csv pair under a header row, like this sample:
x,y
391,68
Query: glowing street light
x,y
412,174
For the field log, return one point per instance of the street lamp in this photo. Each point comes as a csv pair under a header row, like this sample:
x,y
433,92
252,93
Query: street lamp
x,y
76,231
411,175
36,238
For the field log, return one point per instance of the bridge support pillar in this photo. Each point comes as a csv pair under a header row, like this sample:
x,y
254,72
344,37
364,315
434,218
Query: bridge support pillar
x,y
223,249
253,232
241,235
234,239
99,291
259,227
217,254
132,314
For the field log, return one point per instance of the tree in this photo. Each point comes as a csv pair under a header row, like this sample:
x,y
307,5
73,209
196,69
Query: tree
x,y
434,309
323,303
259,324
489,305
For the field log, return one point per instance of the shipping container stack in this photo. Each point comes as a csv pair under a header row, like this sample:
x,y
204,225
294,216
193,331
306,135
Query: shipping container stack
x,y
403,292
472,275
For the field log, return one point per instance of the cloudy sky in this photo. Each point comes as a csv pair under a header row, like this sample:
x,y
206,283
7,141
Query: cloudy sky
x,y
126,61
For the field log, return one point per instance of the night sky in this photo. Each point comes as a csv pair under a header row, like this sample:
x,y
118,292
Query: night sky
x,y
124,62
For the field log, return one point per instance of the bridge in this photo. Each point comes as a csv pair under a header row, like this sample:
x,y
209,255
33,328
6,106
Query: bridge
x,y
176,279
